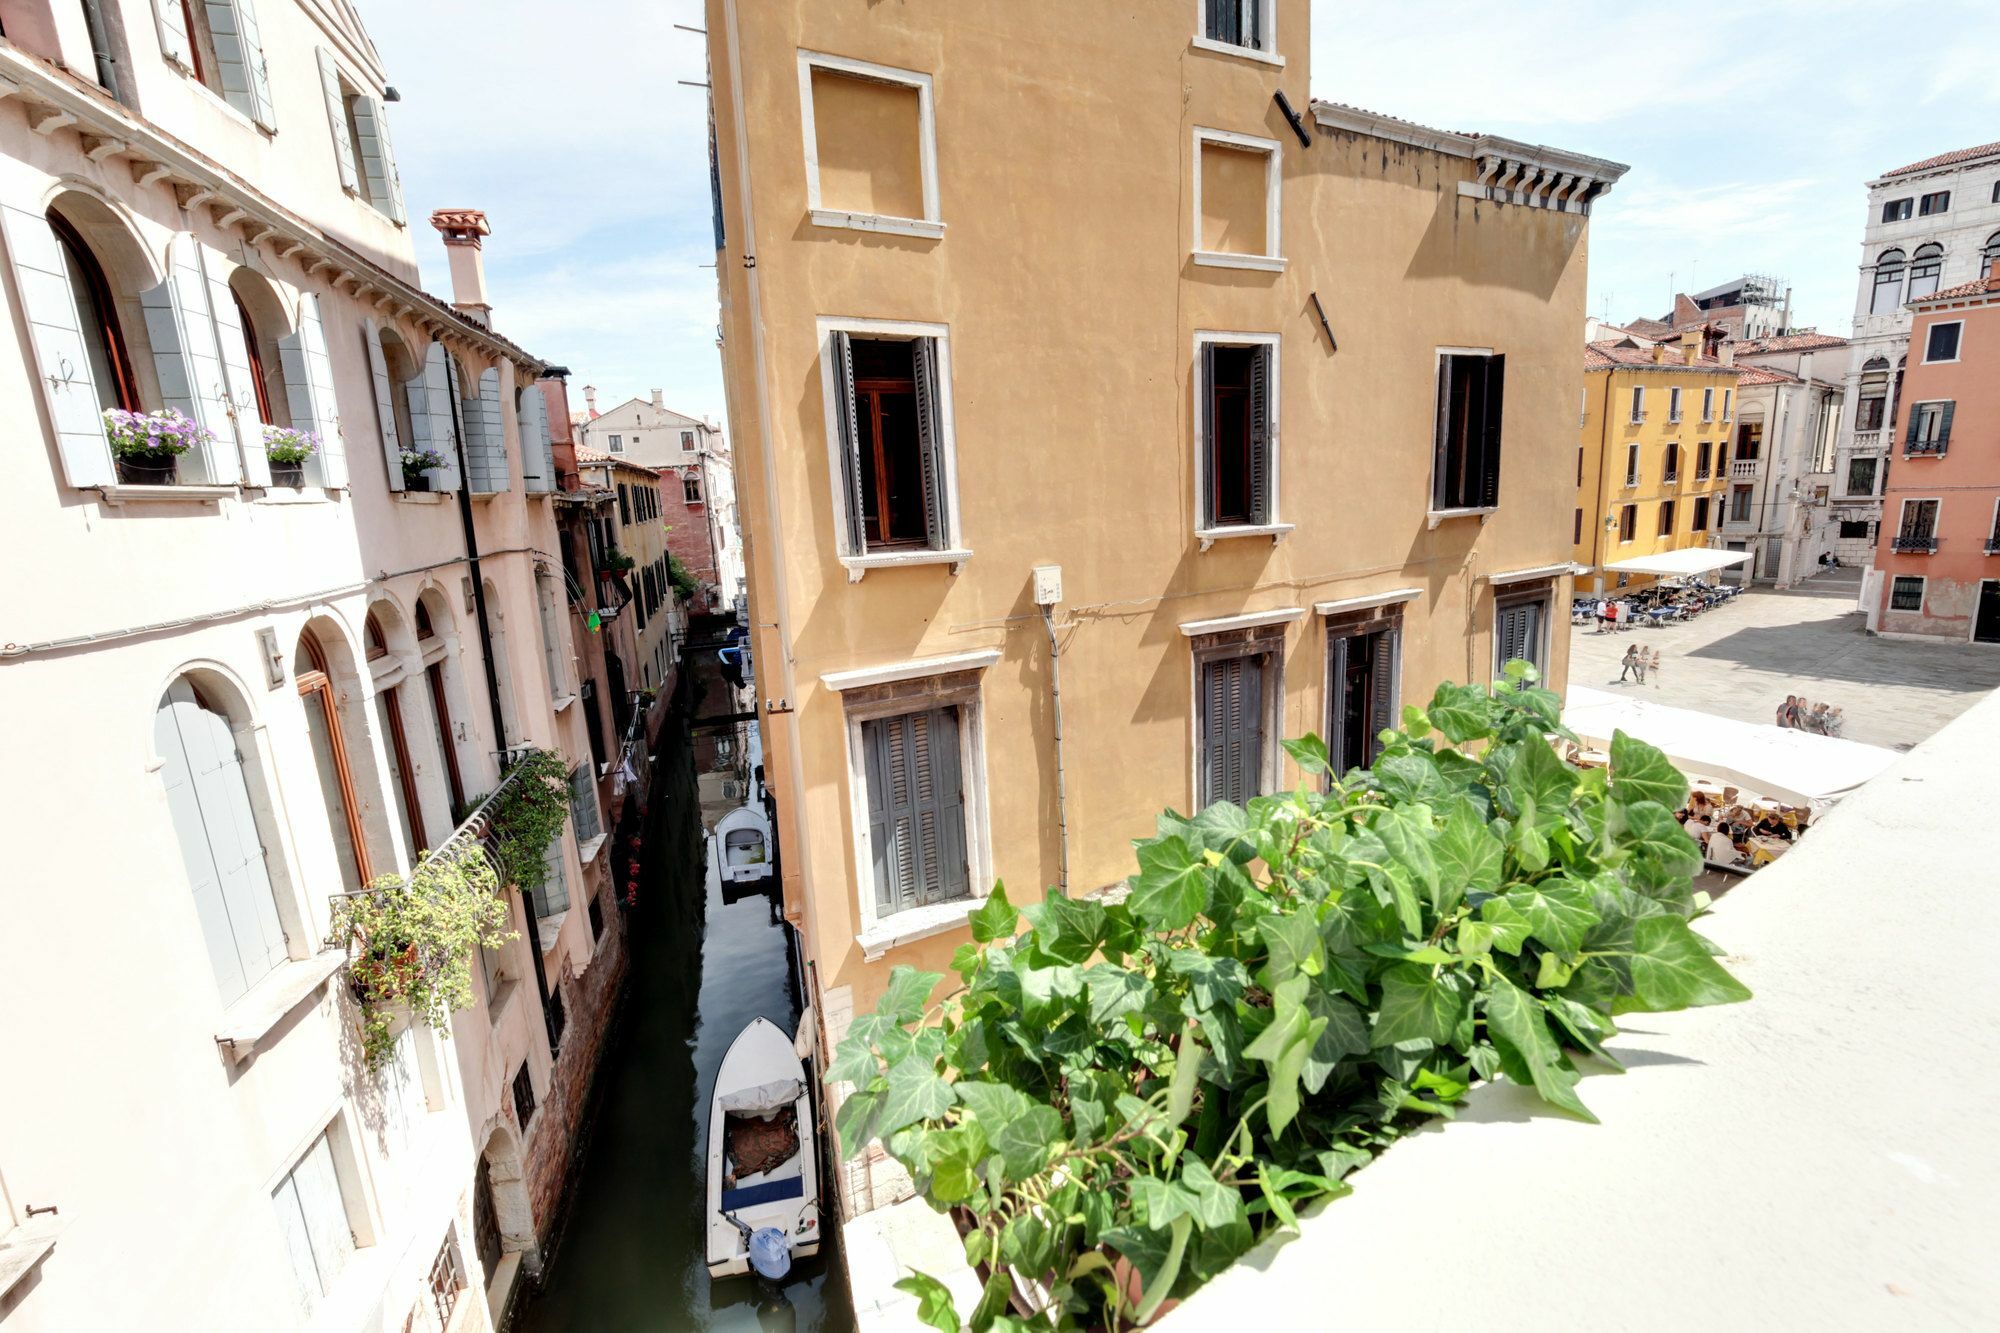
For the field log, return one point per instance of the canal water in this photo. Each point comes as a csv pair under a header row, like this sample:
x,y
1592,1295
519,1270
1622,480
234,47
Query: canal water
x,y
703,964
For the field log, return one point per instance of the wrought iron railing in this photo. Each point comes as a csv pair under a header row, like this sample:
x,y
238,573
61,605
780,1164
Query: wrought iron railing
x,y
474,834
1914,543
1917,448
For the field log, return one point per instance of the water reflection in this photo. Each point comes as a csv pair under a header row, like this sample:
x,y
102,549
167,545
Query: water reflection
x,y
704,963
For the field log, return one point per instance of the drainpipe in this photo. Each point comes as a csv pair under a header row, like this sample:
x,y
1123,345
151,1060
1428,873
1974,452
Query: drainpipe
x,y
493,688
1062,798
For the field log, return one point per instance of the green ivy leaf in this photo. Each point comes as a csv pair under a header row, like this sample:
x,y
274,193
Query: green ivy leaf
x,y
1414,722
1209,1202
1528,1054
1541,784
1283,1048
1406,830
1639,772
1558,913
1343,1032
1046,992
1461,712
1171,887
915,1093
1025,1141
934,1307
856,1062
1215,980
1412,776
1498,926
1294,946
908,994
993,1301
995,918
1672,970
1310,754
855,1121
1114,992
1661,849
1226,829
1420,1003
1469,858
1070,928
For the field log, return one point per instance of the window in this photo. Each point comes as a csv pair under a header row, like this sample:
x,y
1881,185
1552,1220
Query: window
x,y
1638,403
524,1097
1918,529
624,505
1930,428
1888,292
442,734
1749,440
1631,465
1674,404
687,441
596,915
871,146
1906,593
1671,472
1704,460
221,842
1465,467
1628,522
615,444
1897,210
1739,504
313,1218
1236,200
1991,250
916,809
1700,520
1576,535
1934,203
1726,395
1925,265
888,397
1708,404
1874,394
583,805
1364,654
1941,344
217,42
1996,192
1237,448
1236,691
446,1279
485,1218
1666,518
558,1020
329,747
360,130
1244,23
553,656
1520,627
403,777
691,489
1861,476
1852,529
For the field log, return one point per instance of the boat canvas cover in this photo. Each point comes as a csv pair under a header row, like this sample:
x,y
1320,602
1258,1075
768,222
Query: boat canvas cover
x,y
762,1099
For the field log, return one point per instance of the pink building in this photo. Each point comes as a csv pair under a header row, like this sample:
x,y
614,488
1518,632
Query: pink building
x,y
1938,555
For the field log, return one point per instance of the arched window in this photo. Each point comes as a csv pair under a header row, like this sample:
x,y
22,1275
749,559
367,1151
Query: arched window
x,y
1991,252
443,735
208,796
336,778
1888,294
1924,267
1873,394
97,319
259,378
424,629
378,644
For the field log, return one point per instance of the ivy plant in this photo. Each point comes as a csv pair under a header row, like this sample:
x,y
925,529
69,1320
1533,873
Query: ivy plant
x,y
1121,1097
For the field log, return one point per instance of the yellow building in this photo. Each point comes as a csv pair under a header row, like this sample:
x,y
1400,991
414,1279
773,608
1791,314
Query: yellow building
x,y
1034,312
1652,470
638,532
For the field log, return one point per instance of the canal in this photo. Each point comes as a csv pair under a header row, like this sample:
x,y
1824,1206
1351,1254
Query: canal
x,y
703,964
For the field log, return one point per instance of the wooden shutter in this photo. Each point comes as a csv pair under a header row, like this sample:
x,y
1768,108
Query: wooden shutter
x,y
174,44
241,380
308,372
378,167
538,470
916,809
553,895
336,121
1944,424
61,355
930,442
850,443
1205,389
239,57
325,1214
385,403
1489,454
1262,505
485,443
1518,633
430,398
186,355
1336,699
221,848
1442,490
1383,686
1233,697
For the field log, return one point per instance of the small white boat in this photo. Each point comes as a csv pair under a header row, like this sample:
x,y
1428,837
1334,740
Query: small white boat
x,y
743,844
763,1170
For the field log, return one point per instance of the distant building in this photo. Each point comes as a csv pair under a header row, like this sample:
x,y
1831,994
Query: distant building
x,y
1937,561
1751,306
636,531
1789,398
1930,225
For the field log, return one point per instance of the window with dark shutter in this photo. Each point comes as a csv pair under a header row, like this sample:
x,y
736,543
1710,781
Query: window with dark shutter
x,y
1363,693
891,444
1628,522
1236,465
1520,629
916,809
1466,467
1700,523
1237,22
524,1096
1232,728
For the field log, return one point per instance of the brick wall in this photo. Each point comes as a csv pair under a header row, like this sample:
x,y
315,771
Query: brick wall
x,y
687,533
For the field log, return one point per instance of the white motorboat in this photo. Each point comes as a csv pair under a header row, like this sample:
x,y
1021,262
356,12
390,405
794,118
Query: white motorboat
x,y
743,844
763,1167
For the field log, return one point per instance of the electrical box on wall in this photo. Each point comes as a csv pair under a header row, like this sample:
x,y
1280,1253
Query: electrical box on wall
x,y
1048,585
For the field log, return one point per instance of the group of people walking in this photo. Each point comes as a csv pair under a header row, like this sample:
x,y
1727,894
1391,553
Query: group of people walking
x,y
1644,662
1802,714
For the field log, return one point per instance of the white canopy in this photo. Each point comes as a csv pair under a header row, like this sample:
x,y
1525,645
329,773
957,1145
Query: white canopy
x,y
1680,564
1796,767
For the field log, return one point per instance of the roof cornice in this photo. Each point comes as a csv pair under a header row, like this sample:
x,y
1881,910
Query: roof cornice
x,y
1510,171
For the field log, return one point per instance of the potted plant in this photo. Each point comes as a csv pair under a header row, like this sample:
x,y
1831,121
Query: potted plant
x,y
617,562
416,463
147,445
288,451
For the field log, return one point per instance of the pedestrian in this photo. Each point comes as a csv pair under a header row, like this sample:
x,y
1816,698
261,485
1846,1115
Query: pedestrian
x,y
1653,668
1786,710
1795,711
1630,663
1604,625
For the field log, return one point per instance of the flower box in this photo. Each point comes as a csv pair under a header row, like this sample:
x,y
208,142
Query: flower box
x,y
147,445
288,450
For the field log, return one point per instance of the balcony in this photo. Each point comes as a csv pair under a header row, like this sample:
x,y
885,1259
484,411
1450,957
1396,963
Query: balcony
x,y
1743,469
1924,449
1867,440
1912,543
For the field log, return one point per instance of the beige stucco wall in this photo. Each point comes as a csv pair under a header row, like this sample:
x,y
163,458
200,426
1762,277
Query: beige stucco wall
x,y
1065,280
867,143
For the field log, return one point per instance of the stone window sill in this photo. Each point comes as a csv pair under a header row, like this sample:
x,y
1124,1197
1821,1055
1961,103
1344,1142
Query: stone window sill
x,y
918,923
1214,47
548,930
503,993
25,1246
857,566
1437,516
830,217
421,497
1275,531
247,1022
119,493
1263,263
295,495
587,851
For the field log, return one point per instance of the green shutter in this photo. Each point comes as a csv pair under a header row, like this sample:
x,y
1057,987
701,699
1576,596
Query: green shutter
x,y
1262,502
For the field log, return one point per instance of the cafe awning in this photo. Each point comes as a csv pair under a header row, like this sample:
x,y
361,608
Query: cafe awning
x,y
1681,564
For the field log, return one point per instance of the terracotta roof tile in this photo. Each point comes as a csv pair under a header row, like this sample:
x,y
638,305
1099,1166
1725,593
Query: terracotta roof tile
x,y
1790,342
1946,159
1977,287
1610,354
584,455
1765,375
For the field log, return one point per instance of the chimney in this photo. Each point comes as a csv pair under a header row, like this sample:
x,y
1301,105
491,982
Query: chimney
x,y
1726,353
1691,346
1659,354
659,400
590,401
462,229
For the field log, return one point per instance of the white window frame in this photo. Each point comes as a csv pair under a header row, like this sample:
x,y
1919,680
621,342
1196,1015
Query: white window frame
x,y
1209,641
1433,517
858,563
1728,403
1268,15
1903,509
1959,349
1889,606
1277,527
356,1199
1708,403
1673,404
1623,540
875,934
1638,413
1631,466
1273,258
931,224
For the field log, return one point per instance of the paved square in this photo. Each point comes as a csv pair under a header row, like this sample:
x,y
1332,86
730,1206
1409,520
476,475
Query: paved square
x,y
1742,659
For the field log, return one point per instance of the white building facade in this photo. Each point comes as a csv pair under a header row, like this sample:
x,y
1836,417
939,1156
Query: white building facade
x,y
1931,224
686,450
238,688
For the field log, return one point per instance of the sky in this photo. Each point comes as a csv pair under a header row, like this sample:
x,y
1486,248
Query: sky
x,y
1749,128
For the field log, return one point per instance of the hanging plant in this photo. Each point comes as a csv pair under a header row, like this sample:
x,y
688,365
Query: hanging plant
x,y
152,435
285,445
529,816
416,462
